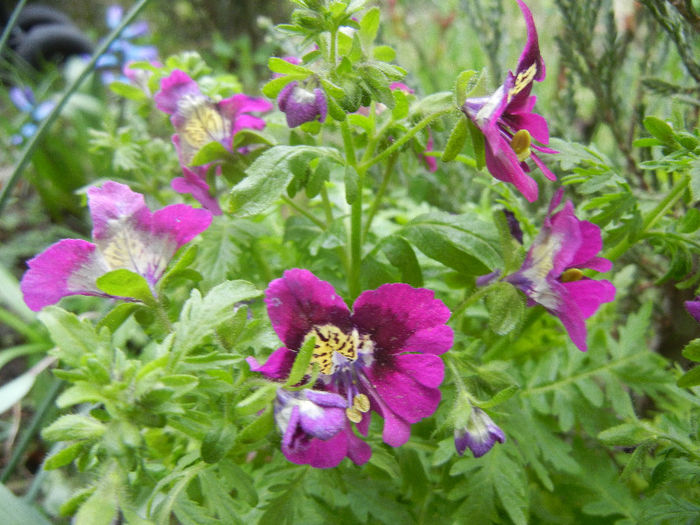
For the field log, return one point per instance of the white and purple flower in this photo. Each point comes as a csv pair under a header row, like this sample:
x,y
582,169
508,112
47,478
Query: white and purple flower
x,y
382,357
301,104
198,121
508,123
480,434
127,235
551,273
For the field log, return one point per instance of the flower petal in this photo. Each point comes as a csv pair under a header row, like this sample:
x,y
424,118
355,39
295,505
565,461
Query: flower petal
x,y
426,369
405,397
589,294
277,365
693,308
173,88
401,318
68,267
503,163
114,204
298,301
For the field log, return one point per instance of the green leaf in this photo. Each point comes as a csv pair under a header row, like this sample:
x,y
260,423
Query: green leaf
x,y
692,350
626,435
280,65
274,86
101,507
65,456
455,142
256,401
465,84
400,110
73,337
401,255
118,315
127,91
369,25
384,53
506,306
477,144
15,511
211,152
462,242
690,378
501,397
201,316
300,367
218,442
661,130
125,283
258,429
268,177
71,427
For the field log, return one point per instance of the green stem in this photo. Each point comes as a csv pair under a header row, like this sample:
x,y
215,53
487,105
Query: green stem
x,y
403,140
10,24
380,193
49,120
652,218
19,325
305,213
327,208
474,297
333,45
355,214
37,419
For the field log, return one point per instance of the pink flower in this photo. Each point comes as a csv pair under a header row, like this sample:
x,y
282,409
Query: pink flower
x,y
382,357
199,121
300,104
507,121
126,234
551,273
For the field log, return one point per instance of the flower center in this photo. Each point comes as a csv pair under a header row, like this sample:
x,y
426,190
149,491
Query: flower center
x,y
521,144
335,348
523,80
571,275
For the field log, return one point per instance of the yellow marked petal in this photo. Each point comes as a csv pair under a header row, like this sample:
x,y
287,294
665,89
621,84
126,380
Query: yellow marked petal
x,y
571,275
521,144
523,80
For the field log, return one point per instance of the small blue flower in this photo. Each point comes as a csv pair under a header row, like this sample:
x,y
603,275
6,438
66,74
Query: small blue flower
x,y
24,99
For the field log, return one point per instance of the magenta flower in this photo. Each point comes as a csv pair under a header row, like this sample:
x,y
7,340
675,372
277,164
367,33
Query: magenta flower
x,y
309,418
126,234
693,308
381,357
198,121
507,122
551,274
302,105
480,434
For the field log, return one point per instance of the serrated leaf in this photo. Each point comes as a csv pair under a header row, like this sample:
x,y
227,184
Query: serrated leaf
x,y
268,177
201,316
74,337
661,130
125,283
690,378
369,25
626,434
217,443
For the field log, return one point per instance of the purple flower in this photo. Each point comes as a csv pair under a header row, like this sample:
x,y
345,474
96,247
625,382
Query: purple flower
x,y
480,434
126,234
309,420
507,122
551,274
381,357
198,121
693,308
302,105
25,101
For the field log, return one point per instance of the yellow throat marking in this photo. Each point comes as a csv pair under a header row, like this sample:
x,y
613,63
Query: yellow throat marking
x,y
523,80
330,340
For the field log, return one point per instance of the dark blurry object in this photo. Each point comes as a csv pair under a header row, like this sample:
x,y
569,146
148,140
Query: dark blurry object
x,y
44,34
